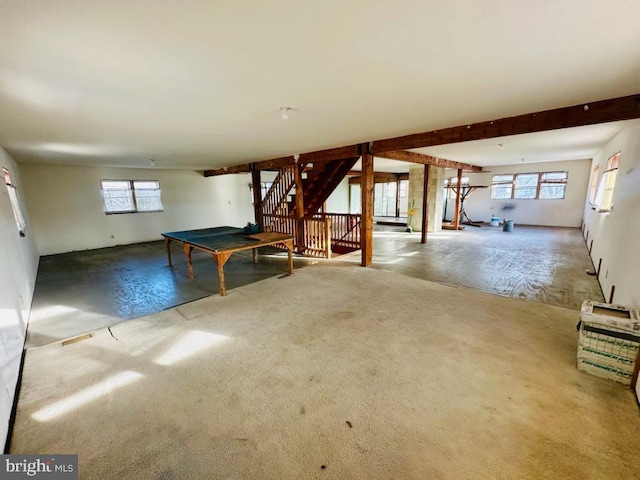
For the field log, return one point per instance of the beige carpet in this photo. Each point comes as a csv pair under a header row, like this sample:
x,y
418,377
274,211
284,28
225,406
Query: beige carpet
x,y
336,372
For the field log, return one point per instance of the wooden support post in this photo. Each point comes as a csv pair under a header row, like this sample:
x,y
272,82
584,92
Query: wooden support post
x,y
297,172
366,222
257,196
398,195
456,218
425,204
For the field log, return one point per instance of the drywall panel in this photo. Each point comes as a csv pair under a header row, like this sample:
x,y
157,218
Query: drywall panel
x,y
614,236
338,201
558,213
19,261
67,209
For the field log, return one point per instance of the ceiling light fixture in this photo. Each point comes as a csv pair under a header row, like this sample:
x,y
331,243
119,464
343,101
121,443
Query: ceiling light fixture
x,y
285,112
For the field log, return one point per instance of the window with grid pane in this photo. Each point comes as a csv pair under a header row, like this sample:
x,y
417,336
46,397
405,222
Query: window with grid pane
x,y
147,196
117,196
502,186
553,185
130,196
526,185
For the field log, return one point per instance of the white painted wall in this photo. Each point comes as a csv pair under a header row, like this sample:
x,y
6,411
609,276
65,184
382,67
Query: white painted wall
x,y
18,268
616,235
558,213
338,201
67,210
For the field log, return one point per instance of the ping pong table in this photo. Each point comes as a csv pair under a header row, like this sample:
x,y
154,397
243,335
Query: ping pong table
x,y
221,242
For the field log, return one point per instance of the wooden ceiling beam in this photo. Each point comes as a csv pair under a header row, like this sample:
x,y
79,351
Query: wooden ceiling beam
x,y
422,159
331,154
612,110
340,153
244,168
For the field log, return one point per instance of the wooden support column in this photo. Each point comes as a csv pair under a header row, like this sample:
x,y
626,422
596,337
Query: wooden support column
x,y
299,209
366,222
456,218
257,196
425,204
398,195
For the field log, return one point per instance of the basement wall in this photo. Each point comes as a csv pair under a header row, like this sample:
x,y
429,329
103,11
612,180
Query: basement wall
x,y
614,237
557,213
68,215
18,269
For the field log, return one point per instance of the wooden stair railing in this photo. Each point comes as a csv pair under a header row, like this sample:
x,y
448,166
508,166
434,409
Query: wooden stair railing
x,y
275,201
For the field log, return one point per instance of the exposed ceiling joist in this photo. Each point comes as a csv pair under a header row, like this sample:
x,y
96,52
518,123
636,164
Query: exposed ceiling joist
x,y
616,109
422,159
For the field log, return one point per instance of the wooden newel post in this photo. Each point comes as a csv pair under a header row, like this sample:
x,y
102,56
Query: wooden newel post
x,y
257,196
425,204
297,171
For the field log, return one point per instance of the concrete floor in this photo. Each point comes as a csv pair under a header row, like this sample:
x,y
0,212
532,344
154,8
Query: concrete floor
x,y
84,291
335,372
541,264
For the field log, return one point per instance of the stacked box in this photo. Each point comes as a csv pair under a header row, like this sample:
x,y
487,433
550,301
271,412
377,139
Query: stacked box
x,y
609,341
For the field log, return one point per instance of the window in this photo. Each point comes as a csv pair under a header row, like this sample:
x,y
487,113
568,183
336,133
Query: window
x,y
552,185
15,205
538,185
130,196
526,185
604,195
593,189
502,186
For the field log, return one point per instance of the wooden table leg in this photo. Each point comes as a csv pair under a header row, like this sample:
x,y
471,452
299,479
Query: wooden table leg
x,y
221,259
290,253
255,255
187,252
167,241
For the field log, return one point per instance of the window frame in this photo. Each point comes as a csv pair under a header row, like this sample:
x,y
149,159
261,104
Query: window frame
x,y
132,196
609,176
541,181
12,191
593,187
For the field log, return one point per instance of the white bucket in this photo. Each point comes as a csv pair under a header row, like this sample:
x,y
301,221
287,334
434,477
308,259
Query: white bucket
x,y
495,221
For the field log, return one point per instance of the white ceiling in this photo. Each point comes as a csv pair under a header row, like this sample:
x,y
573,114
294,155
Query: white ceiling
x,y
198,84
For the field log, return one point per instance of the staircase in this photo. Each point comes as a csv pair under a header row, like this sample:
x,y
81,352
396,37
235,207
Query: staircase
x,y
314,235
274,202
321,181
